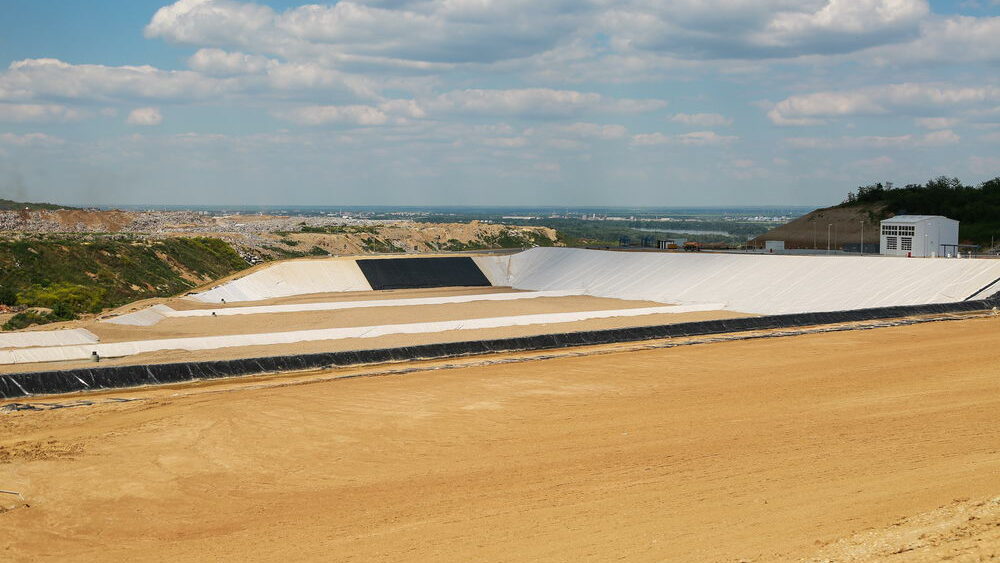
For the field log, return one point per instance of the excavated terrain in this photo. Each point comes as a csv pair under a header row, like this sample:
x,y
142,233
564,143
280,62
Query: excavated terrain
x,y
850,446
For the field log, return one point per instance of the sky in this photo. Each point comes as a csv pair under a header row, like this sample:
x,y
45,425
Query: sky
x,y
483,102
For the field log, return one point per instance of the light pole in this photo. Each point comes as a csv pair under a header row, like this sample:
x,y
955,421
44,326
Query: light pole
x,y
862,237
828,227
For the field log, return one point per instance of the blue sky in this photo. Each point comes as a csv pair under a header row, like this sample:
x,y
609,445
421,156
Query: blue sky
x,y
481,102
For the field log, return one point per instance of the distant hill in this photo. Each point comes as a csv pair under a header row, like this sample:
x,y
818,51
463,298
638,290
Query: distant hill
x,y
9,205
830,227
976,207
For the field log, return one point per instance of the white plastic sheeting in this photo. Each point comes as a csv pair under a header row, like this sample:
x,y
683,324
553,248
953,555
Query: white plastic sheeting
x,y
495,268
156,313
119,349
296,277
47,338
145,317
761,284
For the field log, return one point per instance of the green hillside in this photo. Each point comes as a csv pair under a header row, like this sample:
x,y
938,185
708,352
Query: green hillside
x,y
71,276
9,205
976,207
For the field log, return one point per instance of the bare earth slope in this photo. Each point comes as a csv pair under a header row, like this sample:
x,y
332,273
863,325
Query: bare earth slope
x,y
833,225
775,449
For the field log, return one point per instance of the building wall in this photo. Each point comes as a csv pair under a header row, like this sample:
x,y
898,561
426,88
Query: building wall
x,y
899,239
921,238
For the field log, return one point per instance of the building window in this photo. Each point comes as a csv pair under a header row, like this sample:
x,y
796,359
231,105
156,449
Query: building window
x,y
890,243
906,243
896,230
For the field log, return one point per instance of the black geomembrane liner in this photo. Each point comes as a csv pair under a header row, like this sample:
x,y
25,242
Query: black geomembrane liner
x,y
415,273
76,380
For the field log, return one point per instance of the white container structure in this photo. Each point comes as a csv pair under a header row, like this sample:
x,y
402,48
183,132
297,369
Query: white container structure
x,y
774,245
919,235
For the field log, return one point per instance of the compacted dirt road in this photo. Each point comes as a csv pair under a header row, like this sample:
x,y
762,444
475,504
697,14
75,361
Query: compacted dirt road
x,y
843,446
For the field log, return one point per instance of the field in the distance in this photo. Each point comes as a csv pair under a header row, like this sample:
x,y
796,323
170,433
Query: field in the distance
x,y
852,445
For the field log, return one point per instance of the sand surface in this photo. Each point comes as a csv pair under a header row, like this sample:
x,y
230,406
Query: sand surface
x,y
180,327
776,449
389,341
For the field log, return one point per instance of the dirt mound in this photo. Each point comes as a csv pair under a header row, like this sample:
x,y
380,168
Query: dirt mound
x,y
963,530
103,221
831,227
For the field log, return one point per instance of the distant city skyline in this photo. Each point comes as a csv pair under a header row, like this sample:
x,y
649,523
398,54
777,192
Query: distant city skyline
x,y
578,103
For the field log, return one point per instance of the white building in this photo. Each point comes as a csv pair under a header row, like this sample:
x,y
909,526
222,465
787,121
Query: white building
x,y
919,235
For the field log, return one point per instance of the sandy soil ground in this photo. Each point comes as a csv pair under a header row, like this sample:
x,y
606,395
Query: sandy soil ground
x,y
248,324
177,327
816,447
390,341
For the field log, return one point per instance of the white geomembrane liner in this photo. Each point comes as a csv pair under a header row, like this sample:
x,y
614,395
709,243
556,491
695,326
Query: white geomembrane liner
x,y
760,284
296,277
156,313
119,349
47,338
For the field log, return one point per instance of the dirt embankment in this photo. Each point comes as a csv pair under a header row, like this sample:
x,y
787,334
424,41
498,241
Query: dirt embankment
x,y
819,447
831,227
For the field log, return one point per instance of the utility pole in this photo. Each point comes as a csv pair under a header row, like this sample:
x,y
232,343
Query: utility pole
x,y
828,227
862,237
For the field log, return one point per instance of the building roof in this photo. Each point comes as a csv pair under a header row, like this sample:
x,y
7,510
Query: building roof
x,y
915,218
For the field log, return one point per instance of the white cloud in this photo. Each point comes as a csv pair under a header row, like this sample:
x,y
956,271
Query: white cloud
x,y
944,40
815,108
30,140
144,117
349,115
39,112
592,130
51,78
696,138
702,119
216,62
746,29
934,139
505,142
535,102
937,122
448,31
877,162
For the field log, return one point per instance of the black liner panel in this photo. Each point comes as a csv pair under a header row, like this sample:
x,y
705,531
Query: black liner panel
x,y
76,380
413,273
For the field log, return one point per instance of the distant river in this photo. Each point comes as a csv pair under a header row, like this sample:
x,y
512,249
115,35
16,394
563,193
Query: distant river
x,y
685,231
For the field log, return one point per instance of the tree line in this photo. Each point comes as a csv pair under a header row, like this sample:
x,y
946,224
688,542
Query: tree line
x,y
976,207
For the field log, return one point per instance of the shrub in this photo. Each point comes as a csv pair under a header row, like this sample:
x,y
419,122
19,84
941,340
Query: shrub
x,y
64,296
28,318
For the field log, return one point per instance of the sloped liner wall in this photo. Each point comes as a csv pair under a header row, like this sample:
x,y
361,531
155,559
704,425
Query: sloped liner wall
x,y
76,380
414,273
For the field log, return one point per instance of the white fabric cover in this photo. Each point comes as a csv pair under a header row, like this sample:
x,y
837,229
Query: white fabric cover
x,y
46,338
118,349
751,283
156,313
295,277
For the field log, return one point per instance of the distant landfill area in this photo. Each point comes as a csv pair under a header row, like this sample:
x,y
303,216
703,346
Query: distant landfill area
x,y
263,237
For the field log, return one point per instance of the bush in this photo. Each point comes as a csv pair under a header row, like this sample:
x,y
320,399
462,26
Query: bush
x,y
63,296
28,318
8,296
